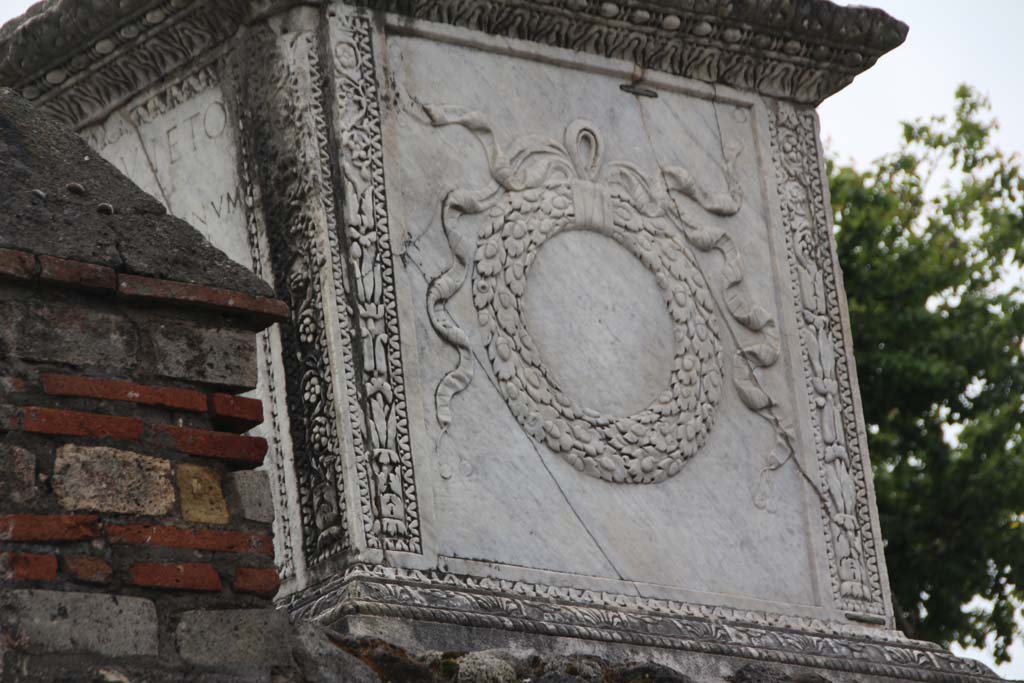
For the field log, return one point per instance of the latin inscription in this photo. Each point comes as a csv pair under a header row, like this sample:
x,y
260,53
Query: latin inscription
x,y
183,153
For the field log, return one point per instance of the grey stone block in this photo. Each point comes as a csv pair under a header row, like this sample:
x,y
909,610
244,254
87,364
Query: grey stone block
x,y
485,667
203,354
252,487
54,621
251,638
322,661
61,333
17,474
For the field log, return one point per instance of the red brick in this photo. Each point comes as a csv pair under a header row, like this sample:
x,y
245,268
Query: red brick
x,y
28,566
25,528
262,582
196,539
77,274
170,292
247,451
187,576
74,423
88,568
121,390
235,413
18,265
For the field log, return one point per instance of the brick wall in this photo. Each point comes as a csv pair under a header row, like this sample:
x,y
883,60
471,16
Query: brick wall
x,y
133,529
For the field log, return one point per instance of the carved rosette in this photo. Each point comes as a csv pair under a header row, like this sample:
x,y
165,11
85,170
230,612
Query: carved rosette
x,y
853,556
383,455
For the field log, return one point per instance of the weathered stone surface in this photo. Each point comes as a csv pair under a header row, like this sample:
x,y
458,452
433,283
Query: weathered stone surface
x,y
17,474
234,638
323,661
111,480
252,489
201,353
51,621
202,499
61,333
610,408
485,667
568,353
323,655
51,176
51,668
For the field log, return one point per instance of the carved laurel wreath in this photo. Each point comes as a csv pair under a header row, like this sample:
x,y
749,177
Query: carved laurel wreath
x,y
542,189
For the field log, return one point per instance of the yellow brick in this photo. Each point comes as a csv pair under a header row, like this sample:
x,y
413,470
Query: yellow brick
x,y
202,499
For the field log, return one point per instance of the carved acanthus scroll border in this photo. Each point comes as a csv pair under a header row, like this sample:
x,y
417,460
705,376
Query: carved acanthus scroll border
x,y
383,458
284,136
519,606
846,505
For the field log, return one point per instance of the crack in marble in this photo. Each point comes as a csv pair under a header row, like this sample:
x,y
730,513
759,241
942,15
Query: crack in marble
x,y
149,162
564,495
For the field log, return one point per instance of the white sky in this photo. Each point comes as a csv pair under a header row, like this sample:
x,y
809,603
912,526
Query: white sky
x,y
950,42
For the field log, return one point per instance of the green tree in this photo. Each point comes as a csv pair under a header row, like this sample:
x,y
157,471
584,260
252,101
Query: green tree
x,y
930,239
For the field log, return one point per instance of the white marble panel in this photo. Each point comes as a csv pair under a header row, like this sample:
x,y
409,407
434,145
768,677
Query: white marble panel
x,y
182,151
717,530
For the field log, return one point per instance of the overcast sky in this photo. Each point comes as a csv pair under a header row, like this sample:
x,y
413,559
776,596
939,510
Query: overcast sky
x,y
950,42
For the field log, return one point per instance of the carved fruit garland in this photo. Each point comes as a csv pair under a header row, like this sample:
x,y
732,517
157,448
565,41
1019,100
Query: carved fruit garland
x,y
541,189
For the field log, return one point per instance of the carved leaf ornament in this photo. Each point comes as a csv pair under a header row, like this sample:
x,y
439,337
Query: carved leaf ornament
x,y
541,189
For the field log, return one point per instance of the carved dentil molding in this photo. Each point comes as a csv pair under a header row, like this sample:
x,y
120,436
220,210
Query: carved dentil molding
x,y
80,59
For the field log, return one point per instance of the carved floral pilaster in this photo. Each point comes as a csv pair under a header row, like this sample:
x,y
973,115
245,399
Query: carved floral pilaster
x,y
843,465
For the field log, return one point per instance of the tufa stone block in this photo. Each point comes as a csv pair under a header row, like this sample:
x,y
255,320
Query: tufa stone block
x,y
17,475
252,488
202,499
111,480
243,638
196,353
74,335
322,661
52,621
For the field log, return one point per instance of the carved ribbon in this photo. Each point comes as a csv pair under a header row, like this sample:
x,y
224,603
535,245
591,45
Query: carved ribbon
x,y
624,449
